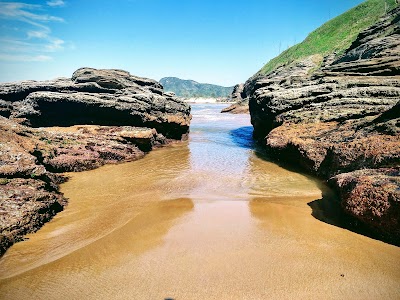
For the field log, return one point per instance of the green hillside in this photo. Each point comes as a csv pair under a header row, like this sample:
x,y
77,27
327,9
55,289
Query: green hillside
x,y
335,35
191,88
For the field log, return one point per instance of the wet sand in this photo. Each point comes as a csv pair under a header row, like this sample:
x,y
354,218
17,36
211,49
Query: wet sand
x,y
205,219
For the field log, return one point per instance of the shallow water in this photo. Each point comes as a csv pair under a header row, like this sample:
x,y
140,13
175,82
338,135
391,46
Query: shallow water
x,y
204,219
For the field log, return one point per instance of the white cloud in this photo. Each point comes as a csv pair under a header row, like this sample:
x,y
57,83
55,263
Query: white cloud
x,y
26,58
17,46
55,45
26,33
22,12
54,3
38,34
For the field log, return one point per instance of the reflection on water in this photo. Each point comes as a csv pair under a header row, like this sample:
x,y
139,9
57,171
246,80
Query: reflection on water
x,y
206,219
106,199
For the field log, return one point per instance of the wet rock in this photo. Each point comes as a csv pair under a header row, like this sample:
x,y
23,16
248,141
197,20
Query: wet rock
x,y
26,204
31,158
373,197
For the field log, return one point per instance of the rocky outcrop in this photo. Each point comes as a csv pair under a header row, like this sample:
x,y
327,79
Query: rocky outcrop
x,y
32,158
102,97
97,117
241,101
291,74
341,121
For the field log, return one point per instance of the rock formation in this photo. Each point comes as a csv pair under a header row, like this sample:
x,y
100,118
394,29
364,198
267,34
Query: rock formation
x,y
112,116
340,120
241,102
102,97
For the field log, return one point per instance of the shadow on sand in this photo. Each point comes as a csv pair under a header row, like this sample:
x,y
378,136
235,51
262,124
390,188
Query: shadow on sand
x,y
328,208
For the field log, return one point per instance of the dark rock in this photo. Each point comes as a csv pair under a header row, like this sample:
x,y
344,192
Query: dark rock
x,y
238,93
241,105
375,51
387,25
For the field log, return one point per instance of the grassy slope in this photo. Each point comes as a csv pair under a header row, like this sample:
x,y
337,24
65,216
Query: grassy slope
x,y
335,35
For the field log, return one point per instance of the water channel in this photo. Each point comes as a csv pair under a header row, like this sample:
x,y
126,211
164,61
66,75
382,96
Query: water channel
x,y
210,218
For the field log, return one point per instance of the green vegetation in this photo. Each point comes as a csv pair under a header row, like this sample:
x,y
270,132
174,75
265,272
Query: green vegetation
x,y
192,89
335,35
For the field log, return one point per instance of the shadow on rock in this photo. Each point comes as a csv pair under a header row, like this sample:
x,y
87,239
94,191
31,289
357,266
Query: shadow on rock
x,y
328,210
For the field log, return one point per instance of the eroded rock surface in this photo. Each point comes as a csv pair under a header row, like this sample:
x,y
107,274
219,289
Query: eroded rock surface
x,y
340,118
31,159
94,118
373,197
101,97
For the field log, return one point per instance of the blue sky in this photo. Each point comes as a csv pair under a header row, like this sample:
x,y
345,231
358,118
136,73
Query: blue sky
x,y
221,42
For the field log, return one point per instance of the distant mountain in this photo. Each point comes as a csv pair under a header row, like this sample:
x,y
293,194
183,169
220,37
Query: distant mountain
x,y
191,88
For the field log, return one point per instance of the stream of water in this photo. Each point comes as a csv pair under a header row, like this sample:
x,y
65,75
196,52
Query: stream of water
x,y
205,219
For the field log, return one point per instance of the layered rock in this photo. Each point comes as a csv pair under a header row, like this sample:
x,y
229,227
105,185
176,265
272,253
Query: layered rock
x,y
102,97
111,116
295,72
341,120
